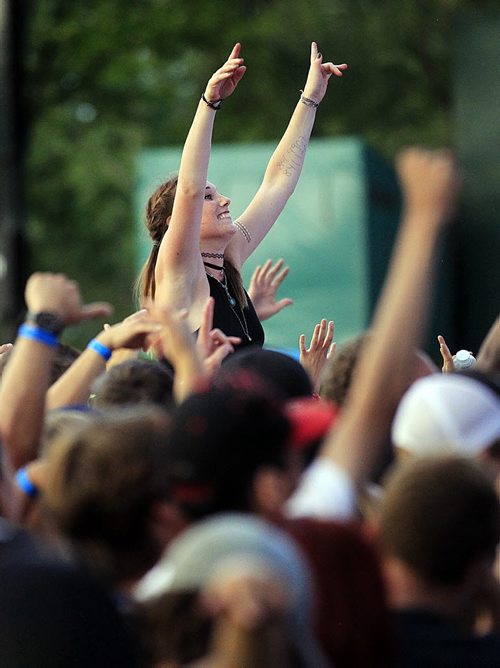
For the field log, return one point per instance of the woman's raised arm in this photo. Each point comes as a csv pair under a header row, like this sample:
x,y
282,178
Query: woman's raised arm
x,y
179,263
286,163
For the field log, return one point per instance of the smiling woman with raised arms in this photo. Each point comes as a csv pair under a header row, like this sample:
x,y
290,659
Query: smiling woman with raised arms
x,y
204,250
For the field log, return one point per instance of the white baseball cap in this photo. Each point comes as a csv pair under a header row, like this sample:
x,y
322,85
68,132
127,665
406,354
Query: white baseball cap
x,y
447,414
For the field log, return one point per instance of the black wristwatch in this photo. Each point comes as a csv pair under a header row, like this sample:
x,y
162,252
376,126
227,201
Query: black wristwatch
x,y
49,322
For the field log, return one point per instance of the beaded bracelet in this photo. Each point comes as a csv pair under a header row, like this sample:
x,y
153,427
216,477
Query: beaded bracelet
x,y
307,101
100,349
37,334
213,105
24,483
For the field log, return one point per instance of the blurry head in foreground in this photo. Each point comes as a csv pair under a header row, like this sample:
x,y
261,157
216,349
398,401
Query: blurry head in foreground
x,y
106,484
210,578
439,528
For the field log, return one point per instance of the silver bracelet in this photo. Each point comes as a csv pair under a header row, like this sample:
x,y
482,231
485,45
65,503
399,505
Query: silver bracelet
x,y
243,230
307,101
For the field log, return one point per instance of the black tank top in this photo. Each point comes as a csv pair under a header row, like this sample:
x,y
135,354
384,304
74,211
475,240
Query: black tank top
x,y
233,320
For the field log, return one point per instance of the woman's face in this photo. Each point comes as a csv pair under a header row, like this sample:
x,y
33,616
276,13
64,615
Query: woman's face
x,y
216,219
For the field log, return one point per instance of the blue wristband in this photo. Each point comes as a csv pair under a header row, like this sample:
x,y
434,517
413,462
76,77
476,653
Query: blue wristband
x,y
25,484
100,349
36,334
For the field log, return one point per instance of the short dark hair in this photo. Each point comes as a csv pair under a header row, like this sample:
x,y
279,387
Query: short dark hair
x,y
282,372
439,514
135,381
218,441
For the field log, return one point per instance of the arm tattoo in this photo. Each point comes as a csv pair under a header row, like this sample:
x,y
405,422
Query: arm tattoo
x,y
294,157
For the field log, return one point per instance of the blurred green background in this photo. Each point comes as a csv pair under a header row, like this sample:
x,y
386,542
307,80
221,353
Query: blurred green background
x,y
107,80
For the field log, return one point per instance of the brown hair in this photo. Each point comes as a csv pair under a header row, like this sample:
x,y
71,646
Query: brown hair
x,y
429,517
174,627
158,209
104,480
134,382
338,373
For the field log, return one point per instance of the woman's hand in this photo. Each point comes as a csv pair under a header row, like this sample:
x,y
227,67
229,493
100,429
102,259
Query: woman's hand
x,y
264,285
223,82
319,74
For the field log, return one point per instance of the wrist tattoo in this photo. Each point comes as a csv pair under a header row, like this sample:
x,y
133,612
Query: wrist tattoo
x,y
294,157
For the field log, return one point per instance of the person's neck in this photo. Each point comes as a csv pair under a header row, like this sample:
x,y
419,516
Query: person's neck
x,y
212,252
406,590
213,259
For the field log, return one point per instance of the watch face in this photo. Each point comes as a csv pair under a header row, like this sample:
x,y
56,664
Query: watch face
x,y
49,322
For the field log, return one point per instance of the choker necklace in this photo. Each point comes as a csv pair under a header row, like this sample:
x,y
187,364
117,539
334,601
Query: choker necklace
x,y
217,256
214,266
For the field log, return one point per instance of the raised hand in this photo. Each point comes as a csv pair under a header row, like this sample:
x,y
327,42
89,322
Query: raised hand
x,y
212,344
122,339
448,365
247,595
176,343
430,182
122,354
132,333
59,295
263,287
320,350
319,74
5,347
223,82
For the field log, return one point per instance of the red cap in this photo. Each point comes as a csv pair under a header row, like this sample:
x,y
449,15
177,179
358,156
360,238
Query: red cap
x,y
311,419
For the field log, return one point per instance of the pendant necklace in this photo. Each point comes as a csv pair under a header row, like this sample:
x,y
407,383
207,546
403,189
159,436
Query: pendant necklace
x,y
223,282
230,298
232,304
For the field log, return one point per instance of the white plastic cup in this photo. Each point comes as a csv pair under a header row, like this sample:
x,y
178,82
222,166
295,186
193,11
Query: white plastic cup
x,y
463,360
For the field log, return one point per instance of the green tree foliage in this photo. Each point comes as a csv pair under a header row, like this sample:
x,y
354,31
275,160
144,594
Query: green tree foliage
x,y
106,77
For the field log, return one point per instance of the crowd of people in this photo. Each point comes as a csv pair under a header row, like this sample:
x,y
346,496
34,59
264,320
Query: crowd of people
x,y
176,494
